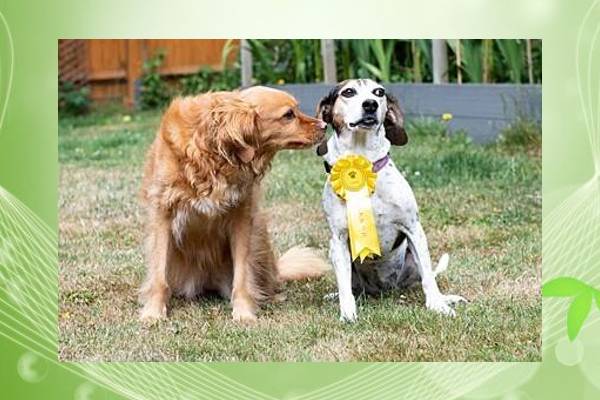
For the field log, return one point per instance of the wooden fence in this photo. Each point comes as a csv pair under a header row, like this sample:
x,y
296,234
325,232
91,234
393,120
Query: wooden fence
x,y
111,66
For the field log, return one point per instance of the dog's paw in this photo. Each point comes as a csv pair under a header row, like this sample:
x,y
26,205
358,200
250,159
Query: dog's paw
x,y
348,313
443,303
152,313
243,315
439,305
349,318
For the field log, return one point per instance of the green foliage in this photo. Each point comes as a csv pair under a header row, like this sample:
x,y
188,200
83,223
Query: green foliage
x,y
209,79
501,60
472,60
427,127
278,61
73,99
536,47
382,52
154,90
522,133
583,295
283,61
421,59
512,55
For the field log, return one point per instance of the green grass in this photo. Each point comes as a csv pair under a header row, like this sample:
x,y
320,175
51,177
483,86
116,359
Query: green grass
x,y
480,204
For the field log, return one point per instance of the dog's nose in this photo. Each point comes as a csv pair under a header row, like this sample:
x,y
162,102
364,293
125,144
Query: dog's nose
x,y
370,106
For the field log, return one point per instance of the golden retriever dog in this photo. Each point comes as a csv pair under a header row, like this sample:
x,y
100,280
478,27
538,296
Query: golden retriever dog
x,y
201,190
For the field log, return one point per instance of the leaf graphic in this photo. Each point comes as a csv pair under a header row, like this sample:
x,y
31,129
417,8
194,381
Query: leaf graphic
x,y
563,287
578,312
597,296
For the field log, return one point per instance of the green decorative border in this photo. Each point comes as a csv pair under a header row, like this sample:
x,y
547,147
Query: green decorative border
x,y
28,198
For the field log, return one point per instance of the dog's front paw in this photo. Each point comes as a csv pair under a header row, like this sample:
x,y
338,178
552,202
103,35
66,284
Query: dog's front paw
x,y
348,312
153,312
243,315
442,303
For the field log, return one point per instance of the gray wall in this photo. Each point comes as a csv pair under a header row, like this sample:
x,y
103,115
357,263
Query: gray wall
x,y
479,109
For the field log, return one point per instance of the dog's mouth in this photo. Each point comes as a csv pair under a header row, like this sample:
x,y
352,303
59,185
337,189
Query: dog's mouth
x,y
297,144
368,121
303,143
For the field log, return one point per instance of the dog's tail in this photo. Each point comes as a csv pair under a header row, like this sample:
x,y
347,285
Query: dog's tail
x,y
442,264
301,263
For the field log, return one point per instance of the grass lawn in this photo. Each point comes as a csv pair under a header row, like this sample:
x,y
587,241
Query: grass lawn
x,y
480,204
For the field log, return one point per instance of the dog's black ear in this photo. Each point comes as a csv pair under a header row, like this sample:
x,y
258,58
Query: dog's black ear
x,y
394,123
325,107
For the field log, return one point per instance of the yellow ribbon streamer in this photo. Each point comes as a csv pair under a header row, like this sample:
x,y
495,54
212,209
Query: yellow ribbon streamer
x,y
353,179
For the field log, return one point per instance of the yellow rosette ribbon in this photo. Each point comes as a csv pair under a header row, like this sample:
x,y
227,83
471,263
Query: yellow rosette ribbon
x,y
353,179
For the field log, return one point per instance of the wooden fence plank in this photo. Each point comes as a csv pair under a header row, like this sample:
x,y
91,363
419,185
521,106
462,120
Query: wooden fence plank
x,y
111,67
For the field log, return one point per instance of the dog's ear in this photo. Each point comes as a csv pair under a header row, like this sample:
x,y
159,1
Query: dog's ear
x,y
325,107
325,113
233,130
394,123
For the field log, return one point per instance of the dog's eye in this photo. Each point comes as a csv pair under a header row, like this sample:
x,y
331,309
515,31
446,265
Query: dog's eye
x,y
289,114
348,92
379,92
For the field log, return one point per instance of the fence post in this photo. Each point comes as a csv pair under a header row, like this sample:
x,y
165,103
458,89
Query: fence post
x,y
246,61
134,69
529,60
328,55
439,53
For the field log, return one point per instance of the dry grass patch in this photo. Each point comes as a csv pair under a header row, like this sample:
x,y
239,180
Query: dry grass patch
x,y
481,205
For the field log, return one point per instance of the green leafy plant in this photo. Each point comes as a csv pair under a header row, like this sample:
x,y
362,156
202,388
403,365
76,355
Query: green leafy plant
x,y
472,60
73,99
421,59
281,61
383,51
523,133
424,126
512,54
209,79
583,296
392,60
154,90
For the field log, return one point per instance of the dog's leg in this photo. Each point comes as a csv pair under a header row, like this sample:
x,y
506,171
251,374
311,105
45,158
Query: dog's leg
x,y
155,292
244,305
342,265
434,299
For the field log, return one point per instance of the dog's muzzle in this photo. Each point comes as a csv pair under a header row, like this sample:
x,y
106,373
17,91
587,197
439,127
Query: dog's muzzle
x,y
367,121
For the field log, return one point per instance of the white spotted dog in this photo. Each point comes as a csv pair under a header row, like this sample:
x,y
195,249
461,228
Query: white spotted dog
x,y
366,122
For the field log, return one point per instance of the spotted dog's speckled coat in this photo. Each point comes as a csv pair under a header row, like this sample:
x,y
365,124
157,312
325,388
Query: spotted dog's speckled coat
x,y
366,122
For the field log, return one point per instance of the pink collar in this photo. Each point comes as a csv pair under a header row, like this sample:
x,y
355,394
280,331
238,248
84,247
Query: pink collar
x,y
379,164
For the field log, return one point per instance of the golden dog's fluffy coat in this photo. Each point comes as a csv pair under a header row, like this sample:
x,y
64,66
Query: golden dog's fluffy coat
x,y
201,190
